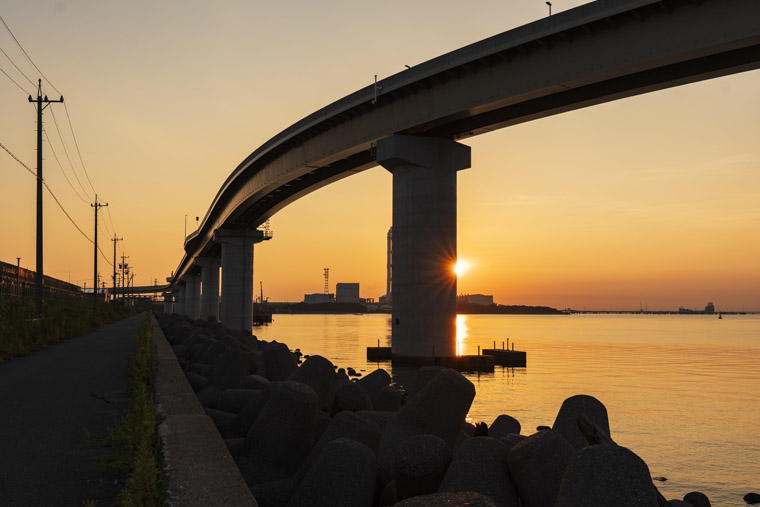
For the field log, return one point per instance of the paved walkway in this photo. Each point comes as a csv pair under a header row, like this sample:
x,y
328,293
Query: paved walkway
x,y
48,404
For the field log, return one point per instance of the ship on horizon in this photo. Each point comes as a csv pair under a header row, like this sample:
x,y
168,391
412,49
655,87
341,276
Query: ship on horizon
x,y
709,310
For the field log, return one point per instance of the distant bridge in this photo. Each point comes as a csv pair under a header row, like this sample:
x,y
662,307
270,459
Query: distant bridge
x,y
410,122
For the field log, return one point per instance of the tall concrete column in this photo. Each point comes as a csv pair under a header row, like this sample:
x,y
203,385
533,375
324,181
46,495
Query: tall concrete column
x,y
237,276
424,242
192,295
209,286
168,302
180,306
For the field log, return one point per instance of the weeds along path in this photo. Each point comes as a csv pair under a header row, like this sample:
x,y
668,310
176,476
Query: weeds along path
x,y
51,405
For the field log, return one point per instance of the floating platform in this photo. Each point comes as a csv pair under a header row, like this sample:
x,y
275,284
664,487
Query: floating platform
x,y
505,357
459,363
379,354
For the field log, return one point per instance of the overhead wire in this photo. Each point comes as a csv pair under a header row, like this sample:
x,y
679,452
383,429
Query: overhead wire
x,y
76,144
71,164
66,151
18,160
108,212
55,155
13,80
17,67
50,191
29,59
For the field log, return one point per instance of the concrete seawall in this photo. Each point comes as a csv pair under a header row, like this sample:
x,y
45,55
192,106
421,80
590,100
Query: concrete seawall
x,y
198,468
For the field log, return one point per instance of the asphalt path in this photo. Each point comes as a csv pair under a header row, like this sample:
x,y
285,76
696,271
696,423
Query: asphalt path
x,y
52,404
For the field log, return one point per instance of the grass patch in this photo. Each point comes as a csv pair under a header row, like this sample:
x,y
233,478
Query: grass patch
x,y
21,333
135,437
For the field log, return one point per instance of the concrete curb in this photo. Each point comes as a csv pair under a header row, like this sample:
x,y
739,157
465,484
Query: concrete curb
x,y
198,468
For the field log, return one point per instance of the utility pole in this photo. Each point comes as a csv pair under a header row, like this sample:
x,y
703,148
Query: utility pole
x,y
115,240
38,276
123,267
97,206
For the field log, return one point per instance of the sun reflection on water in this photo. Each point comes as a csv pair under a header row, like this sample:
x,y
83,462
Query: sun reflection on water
x,y
462,332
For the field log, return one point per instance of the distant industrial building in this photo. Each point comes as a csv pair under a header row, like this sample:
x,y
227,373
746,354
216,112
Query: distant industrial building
x,y
312,299
476,299
347,293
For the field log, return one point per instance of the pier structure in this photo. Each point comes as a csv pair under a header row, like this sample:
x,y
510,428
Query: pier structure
x,y
411,123
237,275
209,267
424,242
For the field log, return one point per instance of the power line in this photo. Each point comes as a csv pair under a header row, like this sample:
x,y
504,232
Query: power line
x,y
27,56
66,151
13,80
104,229
55,155
17,160
56,201
29,59
65,108
14,64
108,213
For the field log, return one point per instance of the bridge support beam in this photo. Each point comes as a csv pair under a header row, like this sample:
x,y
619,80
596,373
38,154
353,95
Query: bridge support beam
x,y
192,295
237,276
209,306
168,302
424,242
181,298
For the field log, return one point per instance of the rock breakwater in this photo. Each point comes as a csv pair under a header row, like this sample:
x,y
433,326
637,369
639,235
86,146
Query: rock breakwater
x,y
305,433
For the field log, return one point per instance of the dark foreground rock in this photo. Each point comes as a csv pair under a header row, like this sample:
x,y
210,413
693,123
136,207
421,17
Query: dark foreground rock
x,y
697,499
343,476
537,465
566,423
421,465
480,465
503,426
607,475
449,499
312,435
439,409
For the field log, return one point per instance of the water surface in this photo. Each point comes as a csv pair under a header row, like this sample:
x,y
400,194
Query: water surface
x,y
681,391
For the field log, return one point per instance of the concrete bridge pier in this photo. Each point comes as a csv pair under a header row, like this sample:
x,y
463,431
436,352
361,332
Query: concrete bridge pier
x,y
168,302
237,276
179,307
424,242
209,286
192,295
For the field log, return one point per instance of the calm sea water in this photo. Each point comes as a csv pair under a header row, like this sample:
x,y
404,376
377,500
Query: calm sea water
x,y
683,392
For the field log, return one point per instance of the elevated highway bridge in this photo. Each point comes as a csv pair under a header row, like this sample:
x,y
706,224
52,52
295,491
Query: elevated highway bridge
x,y
411,123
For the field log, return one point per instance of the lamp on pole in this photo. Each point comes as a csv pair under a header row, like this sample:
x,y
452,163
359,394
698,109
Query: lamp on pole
x,y
550,8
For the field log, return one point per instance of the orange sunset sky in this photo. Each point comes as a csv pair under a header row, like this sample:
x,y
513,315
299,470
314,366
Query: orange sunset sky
x,y
651,200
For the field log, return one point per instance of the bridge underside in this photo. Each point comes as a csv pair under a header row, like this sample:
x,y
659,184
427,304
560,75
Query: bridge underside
x,y
596,53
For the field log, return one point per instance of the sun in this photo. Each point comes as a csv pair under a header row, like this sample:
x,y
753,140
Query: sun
x,y
461,267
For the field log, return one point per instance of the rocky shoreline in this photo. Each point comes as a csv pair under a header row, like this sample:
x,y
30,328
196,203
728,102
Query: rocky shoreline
x,y
308,434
